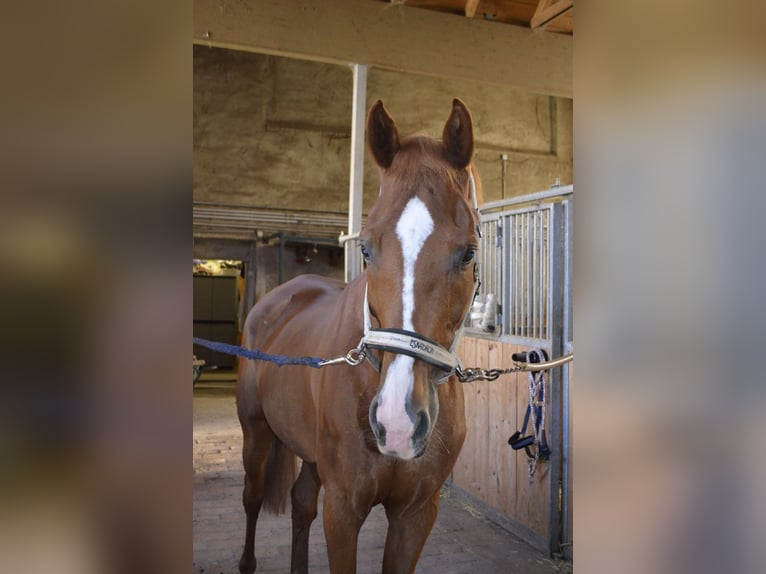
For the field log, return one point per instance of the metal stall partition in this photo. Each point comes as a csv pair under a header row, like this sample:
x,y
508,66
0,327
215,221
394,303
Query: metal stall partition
x,y
524,302
567,373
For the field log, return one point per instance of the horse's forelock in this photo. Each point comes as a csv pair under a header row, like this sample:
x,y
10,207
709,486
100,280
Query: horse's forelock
x,y
422,163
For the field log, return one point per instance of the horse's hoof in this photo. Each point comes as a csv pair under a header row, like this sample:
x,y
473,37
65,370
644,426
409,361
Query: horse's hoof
x,y
247,565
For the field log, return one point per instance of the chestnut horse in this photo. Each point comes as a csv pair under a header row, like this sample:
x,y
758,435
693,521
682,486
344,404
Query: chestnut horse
x,y
387,431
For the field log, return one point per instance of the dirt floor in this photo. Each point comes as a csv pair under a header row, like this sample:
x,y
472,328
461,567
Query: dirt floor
x,y
463,541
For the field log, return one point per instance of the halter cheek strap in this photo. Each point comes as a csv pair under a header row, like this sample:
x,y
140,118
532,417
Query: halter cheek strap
x,y
367,321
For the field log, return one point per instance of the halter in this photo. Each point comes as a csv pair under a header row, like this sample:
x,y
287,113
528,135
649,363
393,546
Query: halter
x,y
410,343
405,342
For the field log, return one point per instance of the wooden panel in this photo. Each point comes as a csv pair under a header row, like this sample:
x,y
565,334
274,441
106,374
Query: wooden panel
x,y
465,468
481,424
487,467
361,31
501,471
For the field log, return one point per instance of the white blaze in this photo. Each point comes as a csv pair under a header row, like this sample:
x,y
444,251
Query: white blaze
x,y
413,228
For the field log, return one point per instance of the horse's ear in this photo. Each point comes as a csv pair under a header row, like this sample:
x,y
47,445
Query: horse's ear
x,y
382,135
458,135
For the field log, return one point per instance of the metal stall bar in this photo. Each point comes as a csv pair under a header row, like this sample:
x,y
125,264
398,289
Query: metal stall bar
x,y
356,188
534,285
510,255
542,291
507,278
568,348
523,276
556,191
500,287
556,290
488,248
527,276
517,262
547,277
545,274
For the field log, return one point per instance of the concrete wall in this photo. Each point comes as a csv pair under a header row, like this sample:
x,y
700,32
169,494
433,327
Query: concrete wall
x,y
275,132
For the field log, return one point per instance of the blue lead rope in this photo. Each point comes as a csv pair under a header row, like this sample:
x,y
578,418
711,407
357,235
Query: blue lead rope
x,y
278,360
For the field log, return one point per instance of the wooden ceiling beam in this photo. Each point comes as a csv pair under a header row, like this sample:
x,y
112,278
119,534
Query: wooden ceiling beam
x,y
548,10
392,37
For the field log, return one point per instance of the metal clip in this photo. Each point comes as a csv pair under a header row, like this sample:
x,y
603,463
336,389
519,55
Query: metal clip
x,y
335,361
354,357
467,375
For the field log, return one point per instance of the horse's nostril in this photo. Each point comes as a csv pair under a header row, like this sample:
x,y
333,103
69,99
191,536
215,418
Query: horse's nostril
x,y
374,413
377,428
421,425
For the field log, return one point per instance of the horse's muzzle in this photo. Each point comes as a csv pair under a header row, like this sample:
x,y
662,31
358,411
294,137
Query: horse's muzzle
x,y
404,441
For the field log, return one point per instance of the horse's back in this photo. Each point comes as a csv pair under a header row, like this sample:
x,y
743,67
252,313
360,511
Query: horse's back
x,y
292,301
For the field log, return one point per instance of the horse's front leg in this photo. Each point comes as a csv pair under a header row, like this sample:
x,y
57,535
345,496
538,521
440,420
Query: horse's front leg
x,y
342,522
407,534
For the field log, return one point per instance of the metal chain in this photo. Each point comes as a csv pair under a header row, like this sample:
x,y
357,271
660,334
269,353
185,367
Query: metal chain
x,y
477,374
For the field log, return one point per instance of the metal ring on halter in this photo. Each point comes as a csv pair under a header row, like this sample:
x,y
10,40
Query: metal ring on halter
x,y
355,357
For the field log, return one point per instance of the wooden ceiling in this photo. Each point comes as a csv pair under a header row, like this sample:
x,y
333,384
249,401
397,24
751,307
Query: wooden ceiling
x,y
549,15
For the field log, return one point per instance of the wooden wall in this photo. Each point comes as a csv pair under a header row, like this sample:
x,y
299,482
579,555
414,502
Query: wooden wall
x,y
488,468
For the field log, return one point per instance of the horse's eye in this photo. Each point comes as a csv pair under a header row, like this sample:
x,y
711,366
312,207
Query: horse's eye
x,y
365,253
468,256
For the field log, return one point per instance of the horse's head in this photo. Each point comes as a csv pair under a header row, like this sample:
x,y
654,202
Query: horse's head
x,y
419,245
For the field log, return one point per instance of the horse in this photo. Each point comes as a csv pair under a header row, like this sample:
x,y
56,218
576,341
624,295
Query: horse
x,y
389,429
